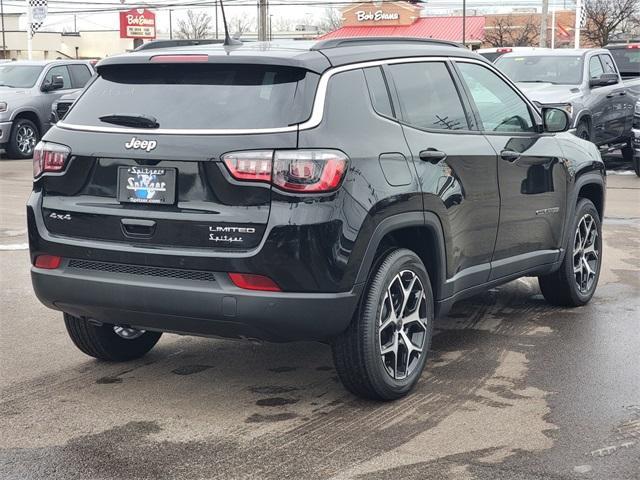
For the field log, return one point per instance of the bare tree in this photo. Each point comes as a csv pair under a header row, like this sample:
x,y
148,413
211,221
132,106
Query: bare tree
x,y
512,31
330,21
196,26
240,24
605,18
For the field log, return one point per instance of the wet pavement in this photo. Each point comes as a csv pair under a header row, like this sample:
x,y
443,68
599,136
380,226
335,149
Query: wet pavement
x,y
514,389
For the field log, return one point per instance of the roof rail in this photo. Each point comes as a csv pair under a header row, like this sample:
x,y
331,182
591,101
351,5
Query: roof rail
x,y
347,42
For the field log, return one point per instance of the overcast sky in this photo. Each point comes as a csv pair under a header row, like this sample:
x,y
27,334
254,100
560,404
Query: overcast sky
x,y
312,10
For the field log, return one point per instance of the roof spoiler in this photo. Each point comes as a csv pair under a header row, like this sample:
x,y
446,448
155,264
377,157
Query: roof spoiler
x,y
352,41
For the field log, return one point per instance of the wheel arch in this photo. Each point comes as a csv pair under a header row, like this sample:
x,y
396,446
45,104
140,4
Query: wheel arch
x,y
32,116
420,232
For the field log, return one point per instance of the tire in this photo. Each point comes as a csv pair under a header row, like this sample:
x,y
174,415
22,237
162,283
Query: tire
x,y
583,131
568,287
23,139
102,341
358,352
636,164
628,152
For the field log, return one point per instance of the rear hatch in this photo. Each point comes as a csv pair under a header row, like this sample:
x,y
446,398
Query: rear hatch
x,y
146,145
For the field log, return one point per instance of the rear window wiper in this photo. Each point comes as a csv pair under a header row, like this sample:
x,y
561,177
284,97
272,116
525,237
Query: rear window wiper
x,y
141,121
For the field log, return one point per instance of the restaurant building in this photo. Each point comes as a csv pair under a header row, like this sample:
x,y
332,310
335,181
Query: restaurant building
x,y
404,19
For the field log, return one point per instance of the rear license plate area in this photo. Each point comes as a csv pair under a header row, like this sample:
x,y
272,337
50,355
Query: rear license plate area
x,y
147,185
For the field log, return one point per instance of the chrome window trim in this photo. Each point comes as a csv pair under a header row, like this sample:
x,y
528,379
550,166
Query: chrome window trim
x,y
317,112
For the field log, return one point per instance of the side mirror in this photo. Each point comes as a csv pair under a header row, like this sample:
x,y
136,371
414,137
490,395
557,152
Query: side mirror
x,y
555,120
56,83
604,80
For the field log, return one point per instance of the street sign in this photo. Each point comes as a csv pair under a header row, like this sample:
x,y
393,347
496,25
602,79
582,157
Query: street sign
x,y
138,23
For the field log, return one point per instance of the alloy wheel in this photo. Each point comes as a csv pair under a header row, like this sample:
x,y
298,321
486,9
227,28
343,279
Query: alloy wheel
x,y
403,325
128,333
26,139
586,252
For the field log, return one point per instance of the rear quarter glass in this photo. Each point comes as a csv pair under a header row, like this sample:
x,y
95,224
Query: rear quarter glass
x,y
200,96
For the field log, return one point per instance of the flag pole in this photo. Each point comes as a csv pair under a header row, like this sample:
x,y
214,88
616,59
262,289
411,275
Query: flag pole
x,y
29,23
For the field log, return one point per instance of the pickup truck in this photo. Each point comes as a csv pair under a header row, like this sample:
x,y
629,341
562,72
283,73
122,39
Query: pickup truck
x,y
583,82
27,91
627,57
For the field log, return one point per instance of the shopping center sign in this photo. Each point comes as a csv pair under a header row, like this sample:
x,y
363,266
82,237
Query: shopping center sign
x,y
382,14
138,23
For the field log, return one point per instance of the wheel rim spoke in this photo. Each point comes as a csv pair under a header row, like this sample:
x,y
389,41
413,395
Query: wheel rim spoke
x,y
586,253
402,326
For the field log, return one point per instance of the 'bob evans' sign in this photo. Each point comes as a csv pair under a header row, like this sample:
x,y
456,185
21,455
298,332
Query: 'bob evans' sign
x,y
138,23
377,16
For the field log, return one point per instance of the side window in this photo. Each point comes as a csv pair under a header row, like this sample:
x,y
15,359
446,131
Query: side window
x,y
428,96
378,91
595,67
501,109
81,75
59,71
608,65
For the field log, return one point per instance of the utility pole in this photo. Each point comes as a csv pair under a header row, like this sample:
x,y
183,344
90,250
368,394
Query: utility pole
x,y
75,24
576,30
553,28
262,20
464,22
543,23
29,22
4,44
216,3
170,25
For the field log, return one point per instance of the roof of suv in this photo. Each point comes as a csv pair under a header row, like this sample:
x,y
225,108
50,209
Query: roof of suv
x,y
316,56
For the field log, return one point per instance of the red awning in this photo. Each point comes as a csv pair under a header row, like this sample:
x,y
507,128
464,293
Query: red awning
x,y
441,28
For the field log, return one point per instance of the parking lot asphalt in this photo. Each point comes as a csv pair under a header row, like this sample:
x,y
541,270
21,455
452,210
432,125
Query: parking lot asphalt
x,y
514,389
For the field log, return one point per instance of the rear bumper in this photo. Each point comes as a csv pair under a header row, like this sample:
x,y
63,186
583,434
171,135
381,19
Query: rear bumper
x,y
213,307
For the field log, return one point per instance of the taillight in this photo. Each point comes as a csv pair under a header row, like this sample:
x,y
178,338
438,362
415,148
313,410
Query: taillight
x,y
504,50
633,45
252,166
49,157
48,262
250,281
305,171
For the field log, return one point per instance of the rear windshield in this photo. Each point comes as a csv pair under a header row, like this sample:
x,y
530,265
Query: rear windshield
x,y
199,95
627,60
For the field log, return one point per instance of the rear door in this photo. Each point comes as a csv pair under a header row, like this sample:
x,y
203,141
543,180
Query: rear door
x,y
531,175
455,163
167,185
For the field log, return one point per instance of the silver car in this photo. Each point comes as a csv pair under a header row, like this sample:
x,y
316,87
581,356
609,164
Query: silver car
x,y
27,91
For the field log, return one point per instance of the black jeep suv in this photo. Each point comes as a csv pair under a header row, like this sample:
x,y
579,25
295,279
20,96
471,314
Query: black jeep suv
x,y
347,191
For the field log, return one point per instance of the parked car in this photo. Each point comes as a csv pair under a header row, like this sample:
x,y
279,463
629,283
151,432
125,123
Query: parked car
x,y
346,191
627,58
27,91
60,107
586,84
493,53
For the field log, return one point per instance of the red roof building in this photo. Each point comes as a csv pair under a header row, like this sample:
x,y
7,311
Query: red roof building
x,y
401,19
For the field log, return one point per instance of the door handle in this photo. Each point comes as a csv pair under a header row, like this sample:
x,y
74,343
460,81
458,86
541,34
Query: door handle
x,y
432,155
622,94
610,95
509,156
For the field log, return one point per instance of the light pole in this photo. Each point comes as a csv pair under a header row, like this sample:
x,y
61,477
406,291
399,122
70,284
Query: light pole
x,y
270,29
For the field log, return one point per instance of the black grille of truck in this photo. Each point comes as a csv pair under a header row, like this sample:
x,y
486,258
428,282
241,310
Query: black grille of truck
x,y
142,270
62,108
